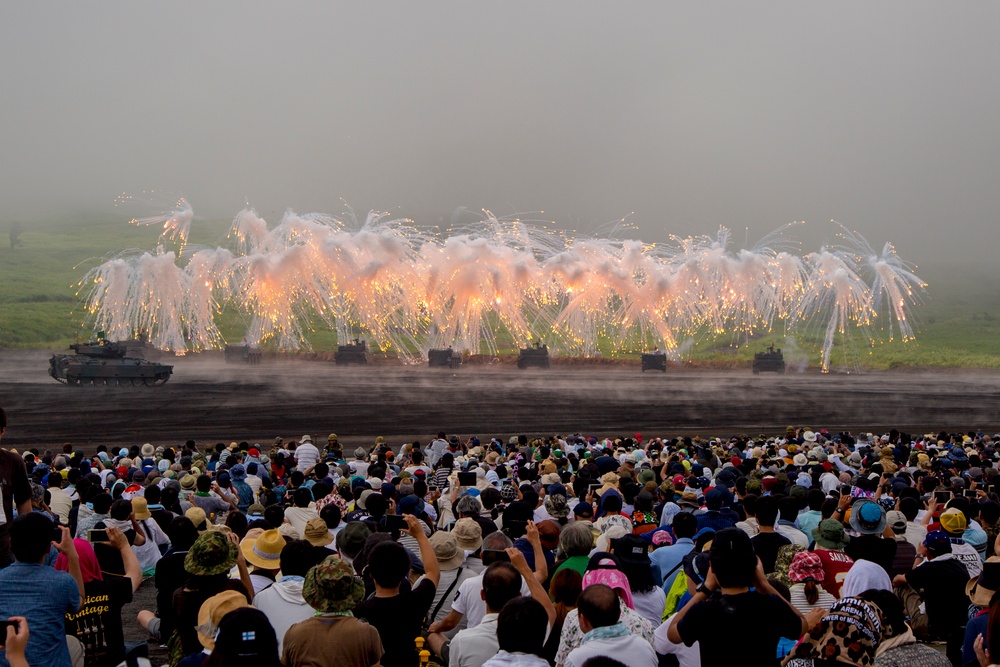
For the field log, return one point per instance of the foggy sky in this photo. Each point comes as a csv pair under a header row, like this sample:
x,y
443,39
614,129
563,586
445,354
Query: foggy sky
x,y
691,115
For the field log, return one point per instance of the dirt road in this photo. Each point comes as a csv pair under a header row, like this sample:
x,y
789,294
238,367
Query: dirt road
x,y
207,400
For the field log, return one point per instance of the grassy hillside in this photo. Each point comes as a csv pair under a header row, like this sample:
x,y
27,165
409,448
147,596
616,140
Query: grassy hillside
x,y
958,326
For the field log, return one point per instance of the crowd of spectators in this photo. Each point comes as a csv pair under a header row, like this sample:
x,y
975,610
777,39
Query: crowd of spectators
x,y
800,548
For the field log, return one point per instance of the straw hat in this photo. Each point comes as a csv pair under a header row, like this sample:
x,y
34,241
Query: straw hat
x,y
264,551
211,613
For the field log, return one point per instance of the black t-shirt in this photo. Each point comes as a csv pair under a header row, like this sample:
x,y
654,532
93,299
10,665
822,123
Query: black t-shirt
x,y
188,600
15,489
941,584
170,575
398,620
875,548
766,546
752,624
98,624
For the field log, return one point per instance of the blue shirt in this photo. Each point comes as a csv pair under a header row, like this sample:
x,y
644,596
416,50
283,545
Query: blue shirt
x,y
667,558
43,595
809,520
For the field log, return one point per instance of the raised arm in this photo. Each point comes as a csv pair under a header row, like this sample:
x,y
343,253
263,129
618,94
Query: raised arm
x,y
537,591
414,528
132,568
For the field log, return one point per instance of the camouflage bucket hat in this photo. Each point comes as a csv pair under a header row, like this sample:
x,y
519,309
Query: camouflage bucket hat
x,y
332,587
786,554
211,553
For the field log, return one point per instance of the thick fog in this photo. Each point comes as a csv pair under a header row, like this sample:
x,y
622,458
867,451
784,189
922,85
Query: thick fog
x,y
686,115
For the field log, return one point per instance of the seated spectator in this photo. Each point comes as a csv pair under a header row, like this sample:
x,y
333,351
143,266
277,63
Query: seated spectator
x,y
332,636
934,591
576,541
397,615
850,633
283,602
98,624
981,593
874,542
954,524
156,541
564,591
521,628
170,575
755,620
897,646
670,559
767,541
302,510
264,554
22,583
351,540
906,553
451,562
830,542
474,646
603,571
648,597
210,615
209,561
807,575
244,637
600,612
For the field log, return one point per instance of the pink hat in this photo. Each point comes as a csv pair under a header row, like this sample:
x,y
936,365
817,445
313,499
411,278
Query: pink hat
x,y
806,565
616,580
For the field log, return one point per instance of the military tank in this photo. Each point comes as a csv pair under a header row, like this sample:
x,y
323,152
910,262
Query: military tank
x,y
244,353
769,361
443,359
103,363
355,352
537,355
654,361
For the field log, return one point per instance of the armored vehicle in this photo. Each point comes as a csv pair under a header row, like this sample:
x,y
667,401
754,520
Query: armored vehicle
x,y
654,361
769,361
102,363
244,353
536,355
355,352
443,358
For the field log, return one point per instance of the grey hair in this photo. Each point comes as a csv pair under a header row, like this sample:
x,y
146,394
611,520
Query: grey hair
x,y
496,542
468,505
576,539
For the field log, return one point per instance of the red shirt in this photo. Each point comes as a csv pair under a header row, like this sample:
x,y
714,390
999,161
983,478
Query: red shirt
x,y
836,564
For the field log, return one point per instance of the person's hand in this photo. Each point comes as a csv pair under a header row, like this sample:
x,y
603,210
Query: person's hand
x,y
65,545
16,640
235,539
711,583
392,506
815,616
117,539
982,655
517,559
844,502
532,534
932,504
434,627
413,527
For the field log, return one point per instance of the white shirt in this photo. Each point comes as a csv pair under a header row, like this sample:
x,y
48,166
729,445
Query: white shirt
x,y
469,601
651,605
474,646
794,534
60,503
306,456
687,656
628,650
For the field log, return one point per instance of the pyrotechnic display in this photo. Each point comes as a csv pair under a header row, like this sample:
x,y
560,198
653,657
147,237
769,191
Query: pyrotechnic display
x,y
493,285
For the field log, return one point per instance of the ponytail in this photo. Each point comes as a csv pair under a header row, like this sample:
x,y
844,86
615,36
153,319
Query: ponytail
x,y
811,591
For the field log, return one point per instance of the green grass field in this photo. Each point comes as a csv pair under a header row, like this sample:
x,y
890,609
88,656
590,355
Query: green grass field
x,y
958,325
